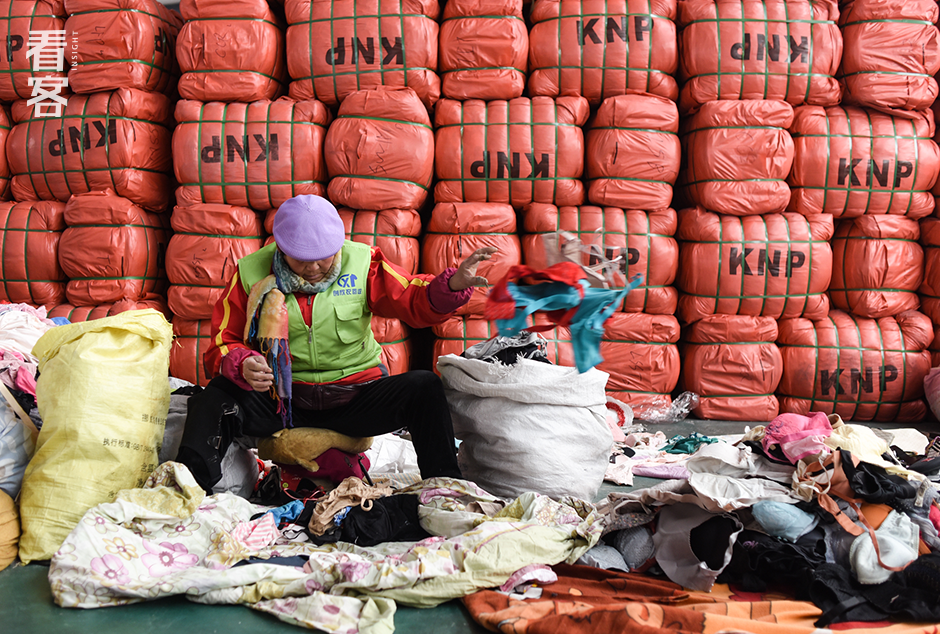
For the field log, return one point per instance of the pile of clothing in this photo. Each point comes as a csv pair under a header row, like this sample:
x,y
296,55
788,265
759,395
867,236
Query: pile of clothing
x,y
808,506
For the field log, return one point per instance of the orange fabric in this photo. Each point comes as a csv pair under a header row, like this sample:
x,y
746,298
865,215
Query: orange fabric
x,y
115,248
458,229
643,240
484,46
930,288
877,266
735,381
21,17
514,152
851,161
283,156
126,148
891,51
632,152
862,369
190,340
737,156
587,600
139,34
741,49
30,234
380,151
204,252
335,47
583,47
639,354
778,265
238,58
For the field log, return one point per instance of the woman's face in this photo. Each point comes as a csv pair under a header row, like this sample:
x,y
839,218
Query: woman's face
x,y
313,271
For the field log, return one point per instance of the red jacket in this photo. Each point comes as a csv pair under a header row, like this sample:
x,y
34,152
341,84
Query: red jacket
x,y
418,300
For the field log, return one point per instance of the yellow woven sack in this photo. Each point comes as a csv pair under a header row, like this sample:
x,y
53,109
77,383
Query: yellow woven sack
x,y
103,393
9,530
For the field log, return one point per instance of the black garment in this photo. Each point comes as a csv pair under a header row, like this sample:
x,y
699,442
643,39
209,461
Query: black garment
x,y
874,484
760,562
393,518
224,411
909,595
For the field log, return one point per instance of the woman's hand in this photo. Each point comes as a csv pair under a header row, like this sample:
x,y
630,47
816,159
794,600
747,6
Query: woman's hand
x,y
257,373
466,275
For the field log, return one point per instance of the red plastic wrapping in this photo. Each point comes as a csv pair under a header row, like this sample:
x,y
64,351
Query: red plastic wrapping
x,y
778,265
17,19
733,364
191,339
877,266
394,231
204,253
930,288
632,152
642,239
891,53
602,48
458,229
737,155
29,253
231,51
639,354
754,49
115,44
484,45
112,250
118,140
935,347
516,152
459,333
852,161
252,155
862,369
395,339
86,313
380,151
336,47
5,126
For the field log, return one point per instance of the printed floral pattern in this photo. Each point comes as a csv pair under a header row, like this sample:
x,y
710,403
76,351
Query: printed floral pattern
x,y
108,558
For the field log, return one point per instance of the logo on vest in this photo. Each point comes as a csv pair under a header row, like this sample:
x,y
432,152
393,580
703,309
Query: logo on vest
x,y
347,285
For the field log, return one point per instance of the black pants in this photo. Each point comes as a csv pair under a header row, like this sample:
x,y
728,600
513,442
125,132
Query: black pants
x,y
224,411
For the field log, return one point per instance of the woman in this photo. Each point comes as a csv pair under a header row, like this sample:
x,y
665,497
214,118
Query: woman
x,y
292,345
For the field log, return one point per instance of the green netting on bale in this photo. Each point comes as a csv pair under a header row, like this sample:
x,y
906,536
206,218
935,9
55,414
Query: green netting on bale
x,y
861,135
743,21
857,401
202,183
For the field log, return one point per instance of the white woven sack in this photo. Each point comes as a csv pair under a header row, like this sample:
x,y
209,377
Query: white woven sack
x,y
531,426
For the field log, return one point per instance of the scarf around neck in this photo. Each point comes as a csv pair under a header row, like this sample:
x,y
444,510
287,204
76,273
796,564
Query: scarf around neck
x,y
267,328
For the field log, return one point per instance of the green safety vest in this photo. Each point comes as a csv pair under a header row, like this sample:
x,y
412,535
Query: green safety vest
x,y
339,342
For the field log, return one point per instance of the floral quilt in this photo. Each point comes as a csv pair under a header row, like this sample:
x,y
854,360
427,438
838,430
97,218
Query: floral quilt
x,y
169,538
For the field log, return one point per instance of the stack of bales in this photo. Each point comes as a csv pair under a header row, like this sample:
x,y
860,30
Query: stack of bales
x,y
871,164
238,152
744,260
376,64
619,58
87,232
484,144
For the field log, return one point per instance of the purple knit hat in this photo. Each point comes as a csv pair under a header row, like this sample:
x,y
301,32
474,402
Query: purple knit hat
x,y
308,228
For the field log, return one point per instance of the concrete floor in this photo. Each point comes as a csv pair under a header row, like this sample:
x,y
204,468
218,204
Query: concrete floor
x,y
26,605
